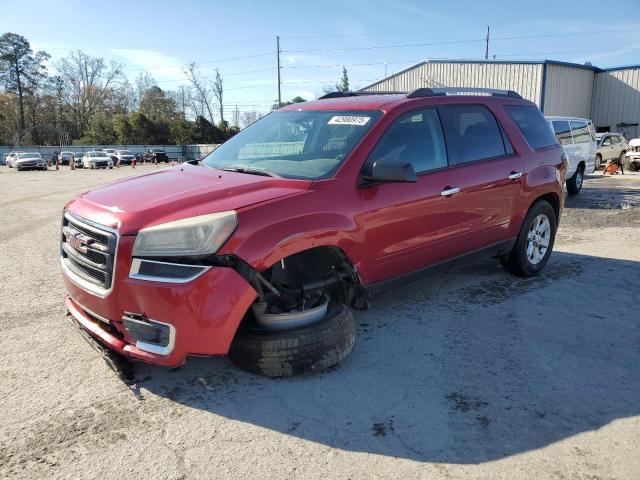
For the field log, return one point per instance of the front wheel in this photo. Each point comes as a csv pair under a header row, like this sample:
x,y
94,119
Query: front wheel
x,y
574,184
297,351
534,244
598,161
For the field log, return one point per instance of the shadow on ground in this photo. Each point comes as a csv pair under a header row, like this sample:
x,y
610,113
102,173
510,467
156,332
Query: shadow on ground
x,y
466,367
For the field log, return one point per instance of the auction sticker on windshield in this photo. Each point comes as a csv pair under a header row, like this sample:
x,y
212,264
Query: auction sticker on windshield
x,y
348,120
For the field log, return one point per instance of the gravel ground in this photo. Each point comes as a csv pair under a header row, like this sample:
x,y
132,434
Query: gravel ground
x,y
471,374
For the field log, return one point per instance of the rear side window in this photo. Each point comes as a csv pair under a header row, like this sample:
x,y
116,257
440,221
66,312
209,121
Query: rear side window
x,y
532,124
580,131
415,138
472,133
563,132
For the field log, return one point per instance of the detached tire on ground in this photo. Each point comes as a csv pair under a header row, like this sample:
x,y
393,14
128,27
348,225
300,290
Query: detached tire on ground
x,y
299,351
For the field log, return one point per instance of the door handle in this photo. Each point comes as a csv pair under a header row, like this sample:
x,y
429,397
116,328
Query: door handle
x,y
514,175
448,191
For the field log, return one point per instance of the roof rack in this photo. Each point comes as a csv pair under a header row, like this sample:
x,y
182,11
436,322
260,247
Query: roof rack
x,y
441,92
356,94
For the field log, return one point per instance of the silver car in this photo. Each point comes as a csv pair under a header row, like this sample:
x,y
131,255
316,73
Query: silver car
x,y
611,146
31,160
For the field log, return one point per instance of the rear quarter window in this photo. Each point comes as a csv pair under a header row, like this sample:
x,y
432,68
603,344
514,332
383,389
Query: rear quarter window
x,y
532,125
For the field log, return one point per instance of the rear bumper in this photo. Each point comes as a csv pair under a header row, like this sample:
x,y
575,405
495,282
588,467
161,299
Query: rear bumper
x,y
203,314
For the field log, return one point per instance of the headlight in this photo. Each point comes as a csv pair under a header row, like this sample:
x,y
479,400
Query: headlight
x,y
202,235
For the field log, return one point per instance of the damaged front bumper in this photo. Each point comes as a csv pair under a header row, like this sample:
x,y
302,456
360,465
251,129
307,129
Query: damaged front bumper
x,y
162,322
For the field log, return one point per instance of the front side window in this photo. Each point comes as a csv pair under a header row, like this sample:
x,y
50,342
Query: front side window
x,y
472,133
580,131
562,131
295,144
416,138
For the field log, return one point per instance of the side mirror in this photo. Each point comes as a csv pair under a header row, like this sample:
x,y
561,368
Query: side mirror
x,y
387,170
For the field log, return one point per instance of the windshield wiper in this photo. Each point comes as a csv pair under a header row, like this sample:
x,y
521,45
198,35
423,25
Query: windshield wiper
x,y
249,170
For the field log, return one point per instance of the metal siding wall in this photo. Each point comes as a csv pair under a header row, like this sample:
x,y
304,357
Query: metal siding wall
x,y
617,100
568,91
526,79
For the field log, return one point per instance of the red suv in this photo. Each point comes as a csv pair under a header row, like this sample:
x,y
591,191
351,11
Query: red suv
x,y
261,249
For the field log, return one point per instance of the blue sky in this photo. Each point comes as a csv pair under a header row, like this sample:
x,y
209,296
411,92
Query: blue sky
x,y
317,38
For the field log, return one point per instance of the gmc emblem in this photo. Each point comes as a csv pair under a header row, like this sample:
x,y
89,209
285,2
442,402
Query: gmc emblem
x,y
79,242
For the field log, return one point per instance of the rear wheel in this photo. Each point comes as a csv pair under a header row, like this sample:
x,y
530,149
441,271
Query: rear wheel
x,y
574,184
534,244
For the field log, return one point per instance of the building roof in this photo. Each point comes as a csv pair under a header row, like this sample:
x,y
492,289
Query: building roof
x,y
503,62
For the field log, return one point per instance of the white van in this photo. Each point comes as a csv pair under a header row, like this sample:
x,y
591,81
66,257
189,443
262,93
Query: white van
x,y
578,138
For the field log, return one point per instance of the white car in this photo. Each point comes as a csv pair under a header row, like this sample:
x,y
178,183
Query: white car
x,y
632,157
97,160
578,139
11,158
125,157
30,160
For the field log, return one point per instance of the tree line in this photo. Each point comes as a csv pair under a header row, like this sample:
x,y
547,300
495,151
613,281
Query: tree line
x,y
87,100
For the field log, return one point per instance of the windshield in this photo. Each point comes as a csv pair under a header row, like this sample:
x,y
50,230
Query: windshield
x,y
124,152
28,155
96,154
303,144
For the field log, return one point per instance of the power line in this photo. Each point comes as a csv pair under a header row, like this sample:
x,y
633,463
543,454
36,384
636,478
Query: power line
x,y
455,42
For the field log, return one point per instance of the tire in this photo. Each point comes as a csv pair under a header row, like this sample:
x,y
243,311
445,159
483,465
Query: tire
x,y
518,261
634,166
299,351
574,184
625,161
598,161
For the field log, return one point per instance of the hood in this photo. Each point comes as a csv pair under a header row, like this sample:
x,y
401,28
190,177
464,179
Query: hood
x,y
175,193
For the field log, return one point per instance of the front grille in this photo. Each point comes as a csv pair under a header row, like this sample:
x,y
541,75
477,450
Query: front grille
x,y
88,251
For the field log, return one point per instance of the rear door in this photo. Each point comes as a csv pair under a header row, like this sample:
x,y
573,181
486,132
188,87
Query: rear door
x,y
562,131
583,143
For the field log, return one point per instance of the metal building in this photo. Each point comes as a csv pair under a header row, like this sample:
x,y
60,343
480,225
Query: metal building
x,y
616,101
611,98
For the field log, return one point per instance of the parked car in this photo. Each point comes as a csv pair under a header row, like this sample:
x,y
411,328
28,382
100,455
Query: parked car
x,y
11,157
111,152
611,146
262,249
97,159
632,157
65,158
29,161
77,158
578,139
155,155
125,157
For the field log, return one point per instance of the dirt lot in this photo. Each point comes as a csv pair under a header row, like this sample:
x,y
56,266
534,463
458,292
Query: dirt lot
x,y
472,374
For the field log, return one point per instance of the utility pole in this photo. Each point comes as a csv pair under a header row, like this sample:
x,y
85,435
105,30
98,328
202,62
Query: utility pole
x,y
278,55
486,51
184,124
